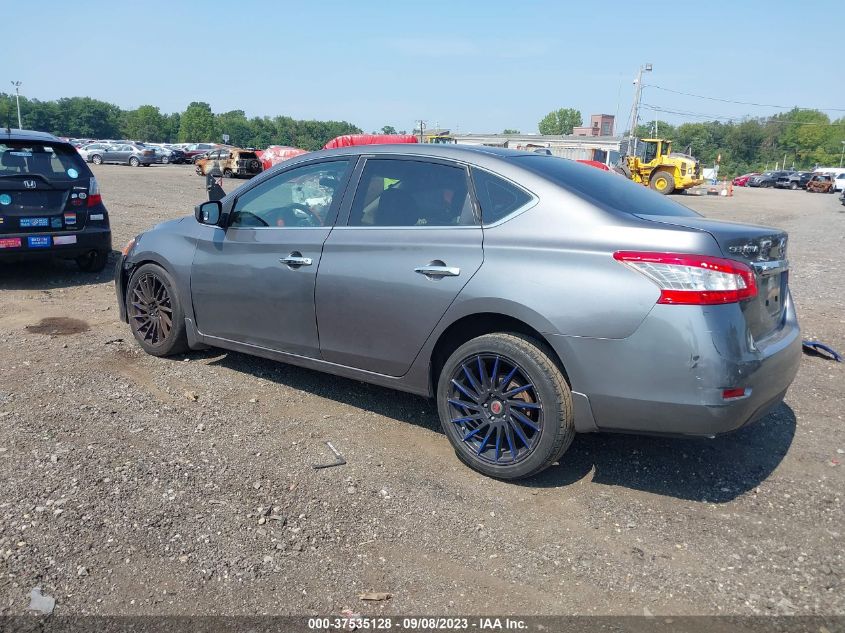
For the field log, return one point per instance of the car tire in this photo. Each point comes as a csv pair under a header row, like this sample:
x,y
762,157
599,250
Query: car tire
x,y
493,430
152,301
198,169
793,186
93,262
227,173
165,160
97,159
662,182
134,162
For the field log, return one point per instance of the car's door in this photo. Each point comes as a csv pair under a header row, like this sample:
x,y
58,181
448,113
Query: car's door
x,y
410,243
253,281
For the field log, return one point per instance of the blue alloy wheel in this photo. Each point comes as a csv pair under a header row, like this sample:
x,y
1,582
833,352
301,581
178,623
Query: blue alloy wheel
x,y
496,408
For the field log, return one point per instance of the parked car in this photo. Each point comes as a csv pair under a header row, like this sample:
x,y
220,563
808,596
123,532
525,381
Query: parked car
x,y
742,181
768,178
234,162
794,181
50,203
531,296
124,154
820,183
839,182
194,150
86,150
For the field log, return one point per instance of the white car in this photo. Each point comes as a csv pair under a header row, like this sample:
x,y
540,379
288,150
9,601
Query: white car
x,y
839,182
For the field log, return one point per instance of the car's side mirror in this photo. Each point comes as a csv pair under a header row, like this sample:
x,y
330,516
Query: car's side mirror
x,y
209,212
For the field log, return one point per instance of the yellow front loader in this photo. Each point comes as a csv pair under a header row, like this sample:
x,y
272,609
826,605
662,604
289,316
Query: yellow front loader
x,y
655,166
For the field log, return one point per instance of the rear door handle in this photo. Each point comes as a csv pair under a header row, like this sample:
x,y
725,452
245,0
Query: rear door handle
x,y
296,259
438,271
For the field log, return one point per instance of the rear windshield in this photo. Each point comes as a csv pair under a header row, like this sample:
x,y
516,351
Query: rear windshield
x,y
54,161
609,190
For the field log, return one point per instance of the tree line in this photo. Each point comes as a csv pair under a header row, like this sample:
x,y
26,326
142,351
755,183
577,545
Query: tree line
x,y
83,117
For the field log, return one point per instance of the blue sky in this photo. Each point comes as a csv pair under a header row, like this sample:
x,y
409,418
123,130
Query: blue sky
x,y
477,66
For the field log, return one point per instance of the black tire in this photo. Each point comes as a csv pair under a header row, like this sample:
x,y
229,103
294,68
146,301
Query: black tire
x,y
549,395
198,169
227,173
97,159
662,182
134,162
165,160
93,262
151,300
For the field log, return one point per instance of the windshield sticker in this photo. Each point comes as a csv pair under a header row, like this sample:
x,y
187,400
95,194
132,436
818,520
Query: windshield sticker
x,y
5,199
72,173
10,242
25,154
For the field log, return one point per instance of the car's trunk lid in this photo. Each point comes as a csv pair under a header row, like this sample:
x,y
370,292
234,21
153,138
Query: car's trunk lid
x,y
32,204
762,248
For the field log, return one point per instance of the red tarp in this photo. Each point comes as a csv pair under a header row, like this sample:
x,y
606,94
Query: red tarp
x,y
348,140
275,154
594,163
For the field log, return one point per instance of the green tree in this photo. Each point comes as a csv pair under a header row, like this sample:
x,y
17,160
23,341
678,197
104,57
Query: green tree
x,y
197,123
508,130
388,129
560,121
144,124
236,125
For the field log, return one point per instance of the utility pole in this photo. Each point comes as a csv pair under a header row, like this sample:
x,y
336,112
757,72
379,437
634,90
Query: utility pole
x,y
635,108
842,155
422,129
17,85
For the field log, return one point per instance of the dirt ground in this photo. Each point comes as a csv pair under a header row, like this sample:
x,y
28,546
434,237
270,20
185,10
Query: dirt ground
x,y
136,485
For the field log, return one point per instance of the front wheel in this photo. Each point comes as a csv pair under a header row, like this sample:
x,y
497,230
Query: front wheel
x,y
793,186
662,182
97,159
505,406
155,314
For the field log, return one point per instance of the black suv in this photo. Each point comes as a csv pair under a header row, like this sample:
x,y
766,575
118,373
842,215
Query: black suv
x,y
797,180
50,204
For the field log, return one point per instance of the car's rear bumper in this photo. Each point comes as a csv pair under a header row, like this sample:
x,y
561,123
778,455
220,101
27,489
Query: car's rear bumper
x,y
91,238
668,377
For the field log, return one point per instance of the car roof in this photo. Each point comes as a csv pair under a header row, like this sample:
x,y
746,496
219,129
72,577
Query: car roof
x,y
434,150
7,134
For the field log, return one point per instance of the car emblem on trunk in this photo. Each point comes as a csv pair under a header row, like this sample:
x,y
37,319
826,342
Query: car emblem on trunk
x,y
29,184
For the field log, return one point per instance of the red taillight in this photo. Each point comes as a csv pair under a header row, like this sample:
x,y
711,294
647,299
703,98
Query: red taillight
x,y
94,197
693,279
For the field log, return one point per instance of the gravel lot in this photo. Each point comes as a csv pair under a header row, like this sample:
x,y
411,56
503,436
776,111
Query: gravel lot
x,y
136,485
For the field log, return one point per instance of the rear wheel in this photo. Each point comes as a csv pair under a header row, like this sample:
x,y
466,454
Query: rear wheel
x,y
134,162
155,314
227,173
505,406
92,262
662,182
97,159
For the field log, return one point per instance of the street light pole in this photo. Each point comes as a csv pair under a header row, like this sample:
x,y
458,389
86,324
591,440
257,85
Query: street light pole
x,y
842,155
17,85
635,109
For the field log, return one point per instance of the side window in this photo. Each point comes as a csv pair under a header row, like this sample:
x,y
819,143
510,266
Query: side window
x,y
496,196
395,192
299,197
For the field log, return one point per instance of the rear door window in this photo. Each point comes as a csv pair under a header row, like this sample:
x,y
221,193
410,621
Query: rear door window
x,y
394,192
58,161
497,197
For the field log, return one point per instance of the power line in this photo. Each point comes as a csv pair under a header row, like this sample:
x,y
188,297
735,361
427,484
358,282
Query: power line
x,y
751,103
716,117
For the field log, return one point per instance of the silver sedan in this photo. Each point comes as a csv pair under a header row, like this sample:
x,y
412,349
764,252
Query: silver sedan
x,y
530,296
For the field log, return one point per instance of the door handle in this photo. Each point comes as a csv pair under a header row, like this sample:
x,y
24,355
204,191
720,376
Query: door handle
x,y
438,271
296,259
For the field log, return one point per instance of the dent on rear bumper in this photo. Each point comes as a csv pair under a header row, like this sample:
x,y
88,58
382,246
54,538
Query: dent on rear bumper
x,y
668,376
